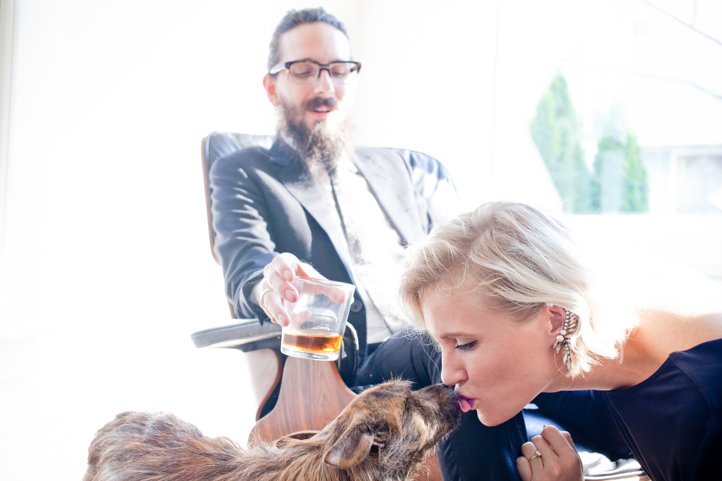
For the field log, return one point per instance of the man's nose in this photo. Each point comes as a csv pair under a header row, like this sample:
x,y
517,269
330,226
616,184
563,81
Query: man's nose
x,y
324,83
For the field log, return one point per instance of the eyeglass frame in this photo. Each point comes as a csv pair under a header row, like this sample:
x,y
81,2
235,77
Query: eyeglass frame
x,y
275,70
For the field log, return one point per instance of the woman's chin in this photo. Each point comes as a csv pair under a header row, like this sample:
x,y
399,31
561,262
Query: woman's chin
x,y
490,419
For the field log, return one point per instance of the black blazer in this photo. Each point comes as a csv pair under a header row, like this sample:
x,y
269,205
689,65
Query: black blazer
x,y
264,203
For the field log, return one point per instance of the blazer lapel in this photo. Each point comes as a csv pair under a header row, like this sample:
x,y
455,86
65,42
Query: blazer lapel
x,y
296,178
392,194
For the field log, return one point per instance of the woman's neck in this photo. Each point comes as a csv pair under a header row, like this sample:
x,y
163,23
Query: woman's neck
x,y
646,348
634,364
607,375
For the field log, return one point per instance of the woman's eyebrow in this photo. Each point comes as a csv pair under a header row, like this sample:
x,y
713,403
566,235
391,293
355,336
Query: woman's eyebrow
x,y
448,335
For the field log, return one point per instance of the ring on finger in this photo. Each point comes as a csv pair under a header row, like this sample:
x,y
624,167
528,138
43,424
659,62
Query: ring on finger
x,y
537,454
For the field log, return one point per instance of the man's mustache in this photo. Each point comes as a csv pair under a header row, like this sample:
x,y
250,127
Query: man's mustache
x,y
318,102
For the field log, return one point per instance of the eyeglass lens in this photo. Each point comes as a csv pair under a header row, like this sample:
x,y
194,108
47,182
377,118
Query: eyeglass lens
x,y
308,71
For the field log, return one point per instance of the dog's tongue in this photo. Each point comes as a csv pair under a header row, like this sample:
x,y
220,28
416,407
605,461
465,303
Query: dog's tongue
x,y
464,404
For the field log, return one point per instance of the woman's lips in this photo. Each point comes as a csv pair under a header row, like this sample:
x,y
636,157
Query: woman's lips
x,y
465,404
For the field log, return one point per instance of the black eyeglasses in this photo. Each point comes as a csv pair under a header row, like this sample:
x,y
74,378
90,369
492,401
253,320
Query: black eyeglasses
x,y
308,71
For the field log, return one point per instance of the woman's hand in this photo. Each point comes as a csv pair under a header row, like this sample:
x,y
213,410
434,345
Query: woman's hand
x,y
550,456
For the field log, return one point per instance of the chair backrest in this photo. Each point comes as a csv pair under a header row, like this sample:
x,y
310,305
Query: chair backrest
x,y
258,342
217,145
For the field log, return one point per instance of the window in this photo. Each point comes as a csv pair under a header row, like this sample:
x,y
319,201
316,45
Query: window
x,y
610,112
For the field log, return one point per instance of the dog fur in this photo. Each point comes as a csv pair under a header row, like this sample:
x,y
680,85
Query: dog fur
x,y
382,435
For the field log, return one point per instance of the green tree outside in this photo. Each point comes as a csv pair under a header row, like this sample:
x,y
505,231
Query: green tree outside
x,y
619,177
555,130
636,189
618,182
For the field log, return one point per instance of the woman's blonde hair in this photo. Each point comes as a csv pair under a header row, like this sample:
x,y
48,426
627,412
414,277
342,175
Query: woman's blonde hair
x,y
518,259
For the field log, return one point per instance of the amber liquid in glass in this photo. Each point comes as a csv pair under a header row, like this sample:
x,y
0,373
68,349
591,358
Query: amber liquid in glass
x,y
318,344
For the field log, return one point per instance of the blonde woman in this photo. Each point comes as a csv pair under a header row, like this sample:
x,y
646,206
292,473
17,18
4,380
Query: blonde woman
x,y
505,295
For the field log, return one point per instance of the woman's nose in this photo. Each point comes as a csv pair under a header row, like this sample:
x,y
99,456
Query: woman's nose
x,y
452,372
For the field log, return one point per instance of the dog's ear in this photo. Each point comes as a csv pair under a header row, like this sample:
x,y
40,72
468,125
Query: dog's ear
x,y
294,438
351,448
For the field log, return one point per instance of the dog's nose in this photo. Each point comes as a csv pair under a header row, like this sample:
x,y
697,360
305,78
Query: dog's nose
x,y
450,388
443,393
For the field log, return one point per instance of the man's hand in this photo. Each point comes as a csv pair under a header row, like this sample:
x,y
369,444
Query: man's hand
x,y
276,285
550,456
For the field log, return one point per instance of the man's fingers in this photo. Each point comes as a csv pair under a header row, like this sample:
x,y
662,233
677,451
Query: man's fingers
x,y
288,267
277,286
270,303
307,270
276,274
285,266
271,278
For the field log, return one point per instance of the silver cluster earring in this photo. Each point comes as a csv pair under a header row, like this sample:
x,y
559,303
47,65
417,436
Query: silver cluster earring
x,y
561,343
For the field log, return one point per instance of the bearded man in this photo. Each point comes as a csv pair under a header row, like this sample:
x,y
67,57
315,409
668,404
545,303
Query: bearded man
x,y
313,199
314,204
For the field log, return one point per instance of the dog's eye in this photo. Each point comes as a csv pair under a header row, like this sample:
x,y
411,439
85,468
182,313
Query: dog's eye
x,y
380,436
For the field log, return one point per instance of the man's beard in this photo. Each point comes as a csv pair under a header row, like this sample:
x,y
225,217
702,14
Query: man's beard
x,y
321,145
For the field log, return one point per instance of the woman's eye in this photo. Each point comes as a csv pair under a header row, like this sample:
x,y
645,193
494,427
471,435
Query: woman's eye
x,y
465,346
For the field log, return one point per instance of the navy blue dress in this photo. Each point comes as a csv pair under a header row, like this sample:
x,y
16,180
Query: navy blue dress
x,y
672,421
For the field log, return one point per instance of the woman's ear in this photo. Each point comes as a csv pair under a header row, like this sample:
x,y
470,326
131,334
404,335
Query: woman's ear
x,y
555,315
269,84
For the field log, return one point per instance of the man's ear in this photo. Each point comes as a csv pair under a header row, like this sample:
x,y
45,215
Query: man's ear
x,y
350,449
269,83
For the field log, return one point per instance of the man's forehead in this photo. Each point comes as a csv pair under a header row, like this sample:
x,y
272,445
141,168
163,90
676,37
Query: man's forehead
x,y
317,41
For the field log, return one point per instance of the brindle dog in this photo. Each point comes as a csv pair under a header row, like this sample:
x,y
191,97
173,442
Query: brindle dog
x,y
383,434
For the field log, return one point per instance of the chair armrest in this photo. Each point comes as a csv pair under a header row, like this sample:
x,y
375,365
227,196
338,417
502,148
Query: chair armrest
x,y
246,335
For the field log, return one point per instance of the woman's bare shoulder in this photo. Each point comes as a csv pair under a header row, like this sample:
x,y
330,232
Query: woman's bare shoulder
x,y
665,331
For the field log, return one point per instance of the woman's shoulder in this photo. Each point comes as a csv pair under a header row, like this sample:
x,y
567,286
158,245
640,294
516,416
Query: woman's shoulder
x,y
694,371
664,331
